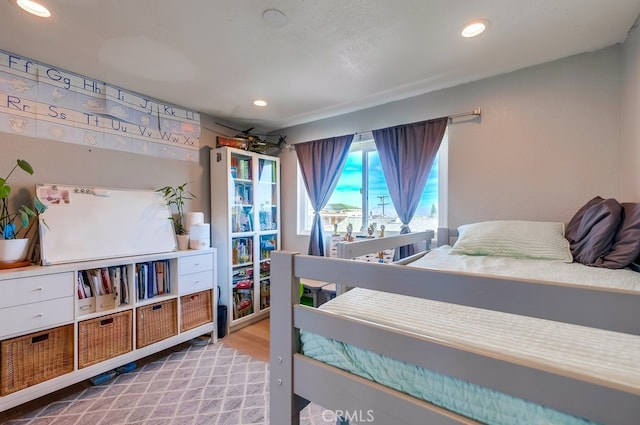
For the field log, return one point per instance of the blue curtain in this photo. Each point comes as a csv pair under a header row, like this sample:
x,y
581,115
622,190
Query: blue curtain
x,y
321,163
406,155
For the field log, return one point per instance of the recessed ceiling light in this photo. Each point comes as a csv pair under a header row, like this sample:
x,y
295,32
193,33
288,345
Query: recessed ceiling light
x,y
474,28
260,102
34,8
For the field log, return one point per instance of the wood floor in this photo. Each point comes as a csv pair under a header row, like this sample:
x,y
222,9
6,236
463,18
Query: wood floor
x,y
252,340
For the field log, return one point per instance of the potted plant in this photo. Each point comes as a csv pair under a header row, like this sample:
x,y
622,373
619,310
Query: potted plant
x,y
14,225
176,196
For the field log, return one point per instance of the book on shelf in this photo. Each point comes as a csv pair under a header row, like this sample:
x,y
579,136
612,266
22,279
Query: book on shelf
x,y
101,288
141,280
124,282
152,279
267,172
95,282
241,220
83,289
234,166
82,274
167,277
242,168
160,285
116,283
105,280
247,194
119,284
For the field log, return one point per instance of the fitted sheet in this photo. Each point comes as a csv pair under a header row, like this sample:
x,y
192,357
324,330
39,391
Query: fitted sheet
x,y
604,356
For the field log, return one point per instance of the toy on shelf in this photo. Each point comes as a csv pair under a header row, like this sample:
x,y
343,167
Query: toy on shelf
x,y
349,236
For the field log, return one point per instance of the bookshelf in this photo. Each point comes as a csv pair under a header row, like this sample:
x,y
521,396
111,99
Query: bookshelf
x,y
92,317
245,218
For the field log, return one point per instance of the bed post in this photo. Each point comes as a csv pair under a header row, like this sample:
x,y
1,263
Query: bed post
x,y
443,236
284,406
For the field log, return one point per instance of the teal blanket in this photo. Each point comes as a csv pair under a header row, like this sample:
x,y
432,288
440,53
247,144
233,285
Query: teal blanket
x,y
470,400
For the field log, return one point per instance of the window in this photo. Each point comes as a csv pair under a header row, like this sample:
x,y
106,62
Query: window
x,y
362,198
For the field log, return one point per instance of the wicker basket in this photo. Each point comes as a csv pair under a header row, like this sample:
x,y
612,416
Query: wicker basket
x,y
156,322
35,358
195,310
104,337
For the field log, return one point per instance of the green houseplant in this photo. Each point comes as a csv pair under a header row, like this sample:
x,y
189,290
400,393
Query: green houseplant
x,y
176,196
23,214
14,225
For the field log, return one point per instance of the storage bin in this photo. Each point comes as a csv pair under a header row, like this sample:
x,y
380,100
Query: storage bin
x,y
156,322
104,337
222,321
35,358
195,310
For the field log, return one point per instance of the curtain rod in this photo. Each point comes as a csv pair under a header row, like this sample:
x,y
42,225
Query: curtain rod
x,y
476,112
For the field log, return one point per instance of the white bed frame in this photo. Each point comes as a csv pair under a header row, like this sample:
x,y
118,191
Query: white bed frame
x,y
297,380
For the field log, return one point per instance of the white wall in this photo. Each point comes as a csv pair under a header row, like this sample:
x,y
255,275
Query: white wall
x,y
547,141
631,117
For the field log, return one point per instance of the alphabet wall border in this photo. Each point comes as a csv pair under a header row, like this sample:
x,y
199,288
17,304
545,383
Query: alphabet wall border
x,y
47,102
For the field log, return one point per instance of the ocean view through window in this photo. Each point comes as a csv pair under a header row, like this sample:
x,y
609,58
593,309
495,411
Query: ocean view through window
x,y
362,198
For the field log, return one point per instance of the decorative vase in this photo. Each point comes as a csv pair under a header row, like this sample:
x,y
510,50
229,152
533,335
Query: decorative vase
x,y
13,250
183,242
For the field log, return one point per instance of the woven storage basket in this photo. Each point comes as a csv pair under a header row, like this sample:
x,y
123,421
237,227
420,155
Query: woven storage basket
x,y
195,310
104,337
156,322
35,358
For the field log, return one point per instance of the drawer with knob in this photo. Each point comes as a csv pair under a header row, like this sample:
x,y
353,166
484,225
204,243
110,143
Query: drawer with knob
x,y
35,316
26,290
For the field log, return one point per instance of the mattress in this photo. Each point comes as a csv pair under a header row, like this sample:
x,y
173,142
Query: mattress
x,y
604,356
576,274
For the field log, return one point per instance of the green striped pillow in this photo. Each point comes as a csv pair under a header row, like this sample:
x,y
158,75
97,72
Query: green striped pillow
x,y
514,238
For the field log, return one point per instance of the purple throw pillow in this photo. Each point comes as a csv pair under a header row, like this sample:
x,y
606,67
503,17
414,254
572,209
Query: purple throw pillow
x,y
626,243
593,237
572,227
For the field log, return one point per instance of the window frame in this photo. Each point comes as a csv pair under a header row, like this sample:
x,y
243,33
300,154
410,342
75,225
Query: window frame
x,y
365,138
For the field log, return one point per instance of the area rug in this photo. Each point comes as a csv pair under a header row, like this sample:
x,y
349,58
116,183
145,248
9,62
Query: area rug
x,y
199,385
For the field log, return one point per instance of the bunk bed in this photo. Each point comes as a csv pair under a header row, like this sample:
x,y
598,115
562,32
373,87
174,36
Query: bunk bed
x,y
582,364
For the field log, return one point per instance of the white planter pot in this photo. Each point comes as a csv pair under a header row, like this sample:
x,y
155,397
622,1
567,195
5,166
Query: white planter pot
x,y
13,250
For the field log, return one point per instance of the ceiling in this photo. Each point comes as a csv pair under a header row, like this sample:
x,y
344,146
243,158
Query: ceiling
x,y
329,58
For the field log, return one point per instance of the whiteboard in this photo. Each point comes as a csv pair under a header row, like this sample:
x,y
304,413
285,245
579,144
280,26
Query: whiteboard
x,y
91,223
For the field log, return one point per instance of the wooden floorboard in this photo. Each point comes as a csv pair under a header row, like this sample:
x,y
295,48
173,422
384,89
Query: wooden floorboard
x,y
252,340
